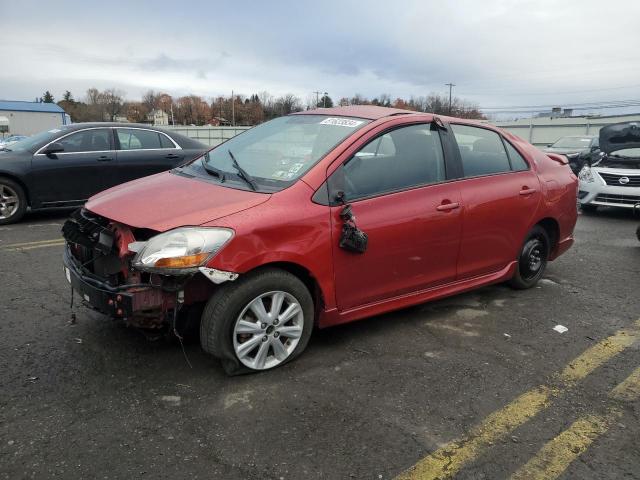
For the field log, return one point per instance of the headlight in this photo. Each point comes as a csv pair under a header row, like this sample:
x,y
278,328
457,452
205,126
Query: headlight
x,y
586,175
181,250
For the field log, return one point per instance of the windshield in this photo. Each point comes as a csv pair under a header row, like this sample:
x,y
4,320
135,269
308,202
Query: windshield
x,y
277,153
35,140
573,142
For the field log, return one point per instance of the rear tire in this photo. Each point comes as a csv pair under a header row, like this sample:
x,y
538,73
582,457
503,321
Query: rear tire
x,y
13,201
532,259
273,337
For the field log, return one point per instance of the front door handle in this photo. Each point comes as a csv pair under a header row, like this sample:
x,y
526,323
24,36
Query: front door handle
x,y
172,156
445,207
104,158
527,191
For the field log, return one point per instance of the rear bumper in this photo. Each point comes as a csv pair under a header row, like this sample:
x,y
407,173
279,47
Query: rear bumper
x,y
563,246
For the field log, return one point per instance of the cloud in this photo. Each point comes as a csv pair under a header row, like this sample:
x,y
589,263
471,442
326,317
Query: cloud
x,y
499,52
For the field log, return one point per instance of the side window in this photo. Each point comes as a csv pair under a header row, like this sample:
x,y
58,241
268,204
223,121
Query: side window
x,y
133,139
165,142
401,159
95,140
481,150
517,162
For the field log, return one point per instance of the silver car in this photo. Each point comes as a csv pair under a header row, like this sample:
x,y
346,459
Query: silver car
x,y
613,179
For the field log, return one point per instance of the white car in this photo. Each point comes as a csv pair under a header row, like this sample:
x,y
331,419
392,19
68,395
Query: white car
x,y
13,139
613,179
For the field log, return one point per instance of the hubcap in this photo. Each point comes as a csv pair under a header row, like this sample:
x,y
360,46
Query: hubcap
x,y
268,330
533,258
9,202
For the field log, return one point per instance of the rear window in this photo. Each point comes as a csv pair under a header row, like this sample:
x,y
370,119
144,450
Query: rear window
x,y
481,151
134,139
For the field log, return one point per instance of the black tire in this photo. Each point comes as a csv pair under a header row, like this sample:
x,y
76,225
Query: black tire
x,y
532,259
7,185
588,208
228,302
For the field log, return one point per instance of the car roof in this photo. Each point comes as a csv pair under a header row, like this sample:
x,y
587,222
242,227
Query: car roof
x,y
78,126
370,112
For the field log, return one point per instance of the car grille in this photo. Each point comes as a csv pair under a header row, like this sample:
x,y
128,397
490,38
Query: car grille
x,y
620,199
614,179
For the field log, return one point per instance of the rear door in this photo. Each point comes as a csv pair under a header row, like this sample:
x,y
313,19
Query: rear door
x,y
500,194
143,152
397,188
85,167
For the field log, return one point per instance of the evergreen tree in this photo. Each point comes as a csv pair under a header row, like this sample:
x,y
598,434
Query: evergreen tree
x,y
47,97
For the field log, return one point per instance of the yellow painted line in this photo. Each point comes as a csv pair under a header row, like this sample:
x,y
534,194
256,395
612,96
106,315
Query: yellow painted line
x,y
27,244
629,389
44,245
449,459
446,461
556,456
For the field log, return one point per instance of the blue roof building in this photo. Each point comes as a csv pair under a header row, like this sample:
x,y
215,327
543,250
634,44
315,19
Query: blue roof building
x,y
27,118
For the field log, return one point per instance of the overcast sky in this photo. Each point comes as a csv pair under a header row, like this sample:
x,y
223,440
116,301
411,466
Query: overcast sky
x,y
498,53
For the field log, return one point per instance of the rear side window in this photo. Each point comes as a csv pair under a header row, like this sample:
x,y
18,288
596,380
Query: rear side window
x,y
165,142
481,151
401,159
517,162
133,139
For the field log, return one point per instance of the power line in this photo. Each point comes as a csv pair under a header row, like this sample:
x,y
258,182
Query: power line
x,y
575,106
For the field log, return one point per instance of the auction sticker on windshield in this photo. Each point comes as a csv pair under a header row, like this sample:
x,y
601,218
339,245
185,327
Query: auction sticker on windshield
x,y
341,122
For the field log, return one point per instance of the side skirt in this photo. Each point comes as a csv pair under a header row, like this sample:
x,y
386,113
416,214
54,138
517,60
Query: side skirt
x,y
334,316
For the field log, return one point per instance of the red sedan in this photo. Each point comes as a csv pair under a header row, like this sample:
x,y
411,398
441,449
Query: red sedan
x,y
316,219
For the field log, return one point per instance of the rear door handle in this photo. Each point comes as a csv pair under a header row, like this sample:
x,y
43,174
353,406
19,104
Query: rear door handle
x,y
172,156
445,207
104,158
527,191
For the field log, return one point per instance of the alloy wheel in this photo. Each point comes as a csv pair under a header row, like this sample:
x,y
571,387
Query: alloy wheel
x,y
268,330
9,202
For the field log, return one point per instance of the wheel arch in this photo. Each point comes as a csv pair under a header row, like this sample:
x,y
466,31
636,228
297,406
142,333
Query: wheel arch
x,y
304,275
552,227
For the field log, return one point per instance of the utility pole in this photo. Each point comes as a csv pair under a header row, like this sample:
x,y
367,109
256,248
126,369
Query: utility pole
x,y
317,98
233,109
450,85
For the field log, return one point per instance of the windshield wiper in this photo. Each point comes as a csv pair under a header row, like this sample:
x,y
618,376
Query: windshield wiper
x,y
213,171
243,174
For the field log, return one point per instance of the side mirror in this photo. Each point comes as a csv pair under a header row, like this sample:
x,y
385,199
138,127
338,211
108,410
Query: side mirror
x,y
52,148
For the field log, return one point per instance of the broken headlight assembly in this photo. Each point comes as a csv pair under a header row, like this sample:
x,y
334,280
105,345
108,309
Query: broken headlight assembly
x,y
586,175
179,251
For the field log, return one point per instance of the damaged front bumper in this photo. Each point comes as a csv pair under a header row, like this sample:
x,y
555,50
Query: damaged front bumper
x,y
118,302
98,265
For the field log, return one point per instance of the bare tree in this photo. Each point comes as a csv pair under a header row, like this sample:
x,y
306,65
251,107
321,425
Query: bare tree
x,y
112,101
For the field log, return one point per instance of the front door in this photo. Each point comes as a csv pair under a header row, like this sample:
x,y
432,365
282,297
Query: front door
x,y
85,167
396,186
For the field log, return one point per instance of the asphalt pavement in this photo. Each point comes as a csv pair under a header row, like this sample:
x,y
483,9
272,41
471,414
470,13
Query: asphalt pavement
x,y
477,386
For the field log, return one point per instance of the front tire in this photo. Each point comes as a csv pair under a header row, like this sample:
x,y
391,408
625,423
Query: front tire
x,y
258,322
532,260
13,201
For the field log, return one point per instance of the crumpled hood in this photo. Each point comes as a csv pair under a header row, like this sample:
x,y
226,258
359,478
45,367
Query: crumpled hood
x,y
619,136
165,201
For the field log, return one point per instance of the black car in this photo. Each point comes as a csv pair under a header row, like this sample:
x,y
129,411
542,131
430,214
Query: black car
x,y
63,167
